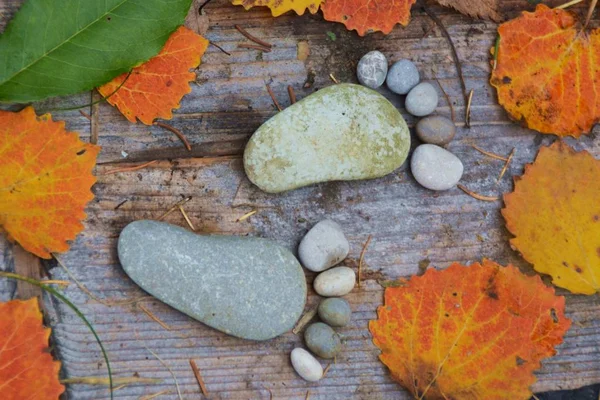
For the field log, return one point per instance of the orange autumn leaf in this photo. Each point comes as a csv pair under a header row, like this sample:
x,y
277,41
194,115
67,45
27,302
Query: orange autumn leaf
x,y
474,332
156,87
45,181
279,7
366,16
27,369
548,72
554,215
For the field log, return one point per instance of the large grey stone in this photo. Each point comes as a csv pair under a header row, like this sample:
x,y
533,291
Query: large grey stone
x,y
342,132
247,287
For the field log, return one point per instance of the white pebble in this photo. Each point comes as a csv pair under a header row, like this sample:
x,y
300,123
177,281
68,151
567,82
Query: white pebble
x,y
435,168
335,282
306,365
323,246
422,100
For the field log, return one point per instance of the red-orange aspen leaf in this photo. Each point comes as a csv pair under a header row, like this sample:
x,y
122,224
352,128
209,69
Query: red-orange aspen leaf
x,y
156,87
548,72
554,215
45,181
475,332
27,369
366,16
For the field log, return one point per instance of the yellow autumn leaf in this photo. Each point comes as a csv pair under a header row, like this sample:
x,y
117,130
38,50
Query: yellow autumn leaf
x,y
279,7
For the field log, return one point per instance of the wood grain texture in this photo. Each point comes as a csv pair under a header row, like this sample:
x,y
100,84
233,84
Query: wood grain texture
x,y
408,223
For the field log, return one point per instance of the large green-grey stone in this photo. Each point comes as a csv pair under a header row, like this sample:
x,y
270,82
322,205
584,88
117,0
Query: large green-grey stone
x,y
247,287
342,132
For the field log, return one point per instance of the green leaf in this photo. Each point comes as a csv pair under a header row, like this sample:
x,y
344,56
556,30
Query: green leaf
x,y
60,47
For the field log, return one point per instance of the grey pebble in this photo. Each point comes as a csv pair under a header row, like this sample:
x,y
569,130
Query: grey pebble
x,y
247,287
436,129
372,69
435,168
322,340
402,77
335,311
422,100
323,246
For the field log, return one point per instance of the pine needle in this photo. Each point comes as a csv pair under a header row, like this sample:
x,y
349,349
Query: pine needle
x,y
152,396
333,79
154,317
477,195
327,369
174,207
510,157
253,38
270,91
469,102
129,169
452,113
56,282
567,5
254,47
489,153
198,377
167,367
590,12
177,133
187,219
246,216
362,256
95,380
291,94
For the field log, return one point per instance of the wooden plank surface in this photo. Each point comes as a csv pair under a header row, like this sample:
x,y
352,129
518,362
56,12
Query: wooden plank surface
x,y
409,224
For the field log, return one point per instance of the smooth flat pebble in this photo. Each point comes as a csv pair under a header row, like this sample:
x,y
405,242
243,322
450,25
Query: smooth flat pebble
x,y
247,287
436,129
335,282
422,100
335,312
372,69
324,246
342,132
322,340
306,365
402,77
435,168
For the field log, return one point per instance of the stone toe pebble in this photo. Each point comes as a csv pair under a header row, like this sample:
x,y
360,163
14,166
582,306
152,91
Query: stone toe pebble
x,y
335,312
324,246
322,340
306,365
436,129
435,168
422,100
335,282
402,77
372,69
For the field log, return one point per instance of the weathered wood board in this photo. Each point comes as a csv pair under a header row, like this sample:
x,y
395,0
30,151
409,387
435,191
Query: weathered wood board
x,y
409,224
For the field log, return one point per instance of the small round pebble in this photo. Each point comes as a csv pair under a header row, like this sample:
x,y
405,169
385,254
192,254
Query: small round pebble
x,y
335,311
322,340
335,282
435,168
436,129
422,100
372,69
402,77
323,246
306,365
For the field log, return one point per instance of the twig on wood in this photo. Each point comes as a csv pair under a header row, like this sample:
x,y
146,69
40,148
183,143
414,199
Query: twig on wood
x,y
154,317
273,97
129,169
86,115
477,195
155,395
306,318
333,79
255,47
92,296
120,204
198,377
567,5
489,154
512,153
590,12
57,282
174,207
187,219
246,216
468,113
252,38
94,380
361,259
454,52
177,133
452,114
220,48
291,94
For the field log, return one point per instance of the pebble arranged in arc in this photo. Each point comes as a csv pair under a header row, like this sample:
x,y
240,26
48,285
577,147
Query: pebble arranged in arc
x,y
436,168
422,100
436,129
335,311
342,132
247,287
402,77
323,246
322,340
372,69
335,282
306,365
